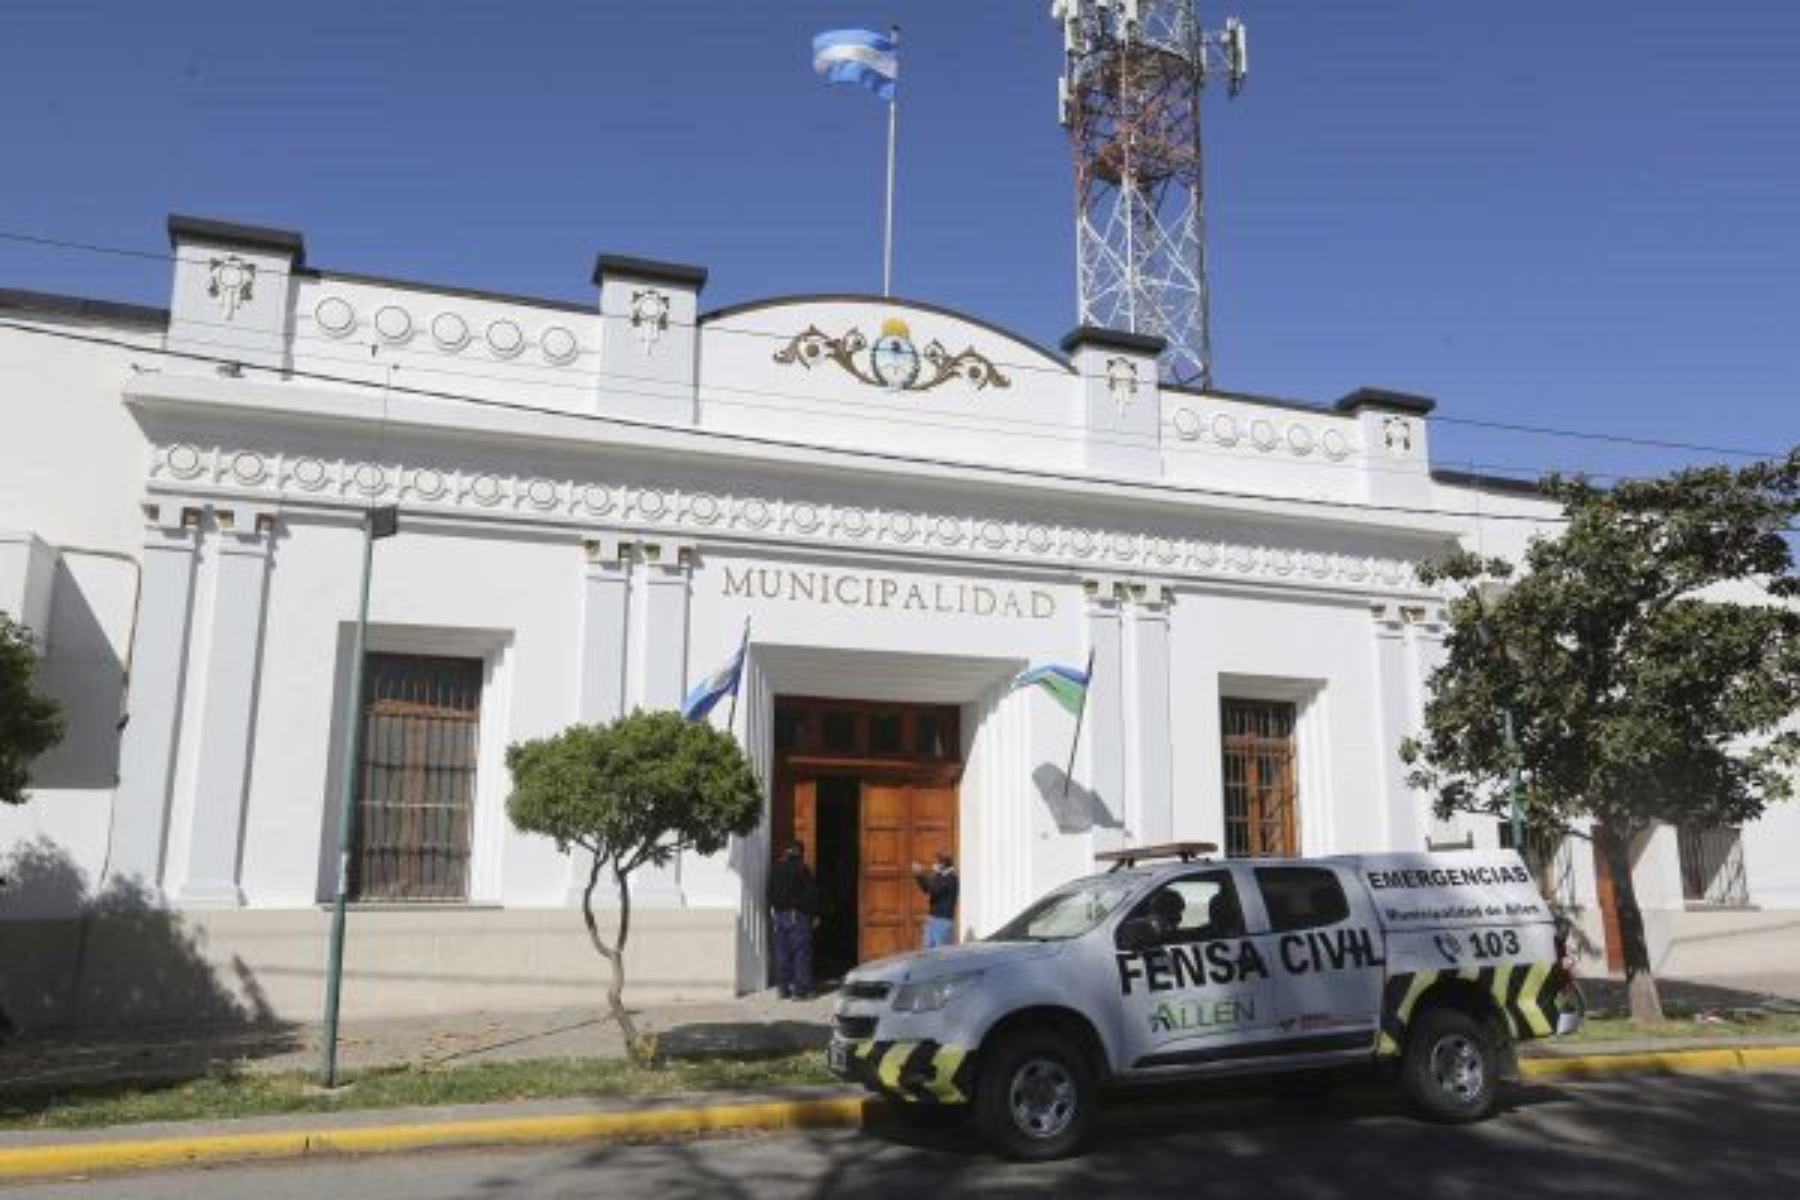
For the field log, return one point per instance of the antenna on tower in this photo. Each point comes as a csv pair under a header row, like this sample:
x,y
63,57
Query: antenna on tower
x,y
1130,99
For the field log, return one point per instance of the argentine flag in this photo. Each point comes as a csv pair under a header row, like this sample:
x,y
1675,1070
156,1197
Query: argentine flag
x,y
715,687
858,56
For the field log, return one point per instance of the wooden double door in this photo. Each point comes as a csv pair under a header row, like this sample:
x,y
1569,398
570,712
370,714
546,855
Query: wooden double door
x,y
895,824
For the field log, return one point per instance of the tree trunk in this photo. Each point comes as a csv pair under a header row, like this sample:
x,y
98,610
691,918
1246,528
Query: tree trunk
x,y
614,955
1640,984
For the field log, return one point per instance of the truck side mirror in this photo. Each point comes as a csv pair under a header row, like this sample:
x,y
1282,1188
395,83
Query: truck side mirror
x,y
1138,933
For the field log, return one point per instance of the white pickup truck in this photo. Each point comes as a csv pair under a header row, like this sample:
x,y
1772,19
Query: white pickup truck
x,y
1191,968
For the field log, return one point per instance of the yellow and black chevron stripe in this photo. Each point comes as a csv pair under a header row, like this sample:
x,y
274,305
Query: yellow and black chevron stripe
x,y
927,1072
1525,994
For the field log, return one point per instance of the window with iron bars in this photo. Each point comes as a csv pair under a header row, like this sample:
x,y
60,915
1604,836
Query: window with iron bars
x,y
1712,866
415,786
1261,795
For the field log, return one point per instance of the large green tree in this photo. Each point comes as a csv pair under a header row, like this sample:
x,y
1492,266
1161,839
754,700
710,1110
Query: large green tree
x,y
1650,657
631,794
29,721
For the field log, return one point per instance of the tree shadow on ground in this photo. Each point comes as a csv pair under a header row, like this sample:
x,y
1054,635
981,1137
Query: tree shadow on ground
x,y
743,1039
1685,998
111,991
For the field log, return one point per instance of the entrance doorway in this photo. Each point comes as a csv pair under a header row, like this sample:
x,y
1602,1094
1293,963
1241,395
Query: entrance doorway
x,y
870,790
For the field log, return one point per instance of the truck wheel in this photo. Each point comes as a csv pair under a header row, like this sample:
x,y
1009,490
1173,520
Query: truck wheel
x,y
1451,1068
1035,1097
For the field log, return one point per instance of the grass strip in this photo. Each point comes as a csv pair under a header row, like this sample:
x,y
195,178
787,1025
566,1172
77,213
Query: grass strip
x,y
252,1094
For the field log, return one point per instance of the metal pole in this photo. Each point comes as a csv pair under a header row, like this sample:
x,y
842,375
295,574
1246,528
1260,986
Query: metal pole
x,y
737,685
347,813
1512,760
887,225
1069,773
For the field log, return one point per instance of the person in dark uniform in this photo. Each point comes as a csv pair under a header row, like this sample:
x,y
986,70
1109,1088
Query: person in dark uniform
x,y
940,885
793,902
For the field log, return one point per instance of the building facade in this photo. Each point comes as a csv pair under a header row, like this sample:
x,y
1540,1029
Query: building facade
x,y
905,506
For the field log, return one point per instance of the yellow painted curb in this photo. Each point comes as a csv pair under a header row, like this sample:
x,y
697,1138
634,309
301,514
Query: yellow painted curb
x,y
93,1158
1663,1062
88,1158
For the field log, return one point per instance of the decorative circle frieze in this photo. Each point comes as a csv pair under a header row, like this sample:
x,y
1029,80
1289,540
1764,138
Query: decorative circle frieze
x,y
541,494
704,507
756,513
1187,424
1300,439
1281,562
487,490
1038,539
1337,446
1263,434
902,527
805,517
1225,429
428,484
184,461
1317,565
311,474
1163,550
335,316
393,323
1122,546
1081,543
449,331
652,503
505,338
854,522
993,535
368,478
597,498
947,530
247,466
558,345
1205,555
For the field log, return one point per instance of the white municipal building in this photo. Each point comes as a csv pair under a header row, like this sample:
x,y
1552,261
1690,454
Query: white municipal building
x,y
908,505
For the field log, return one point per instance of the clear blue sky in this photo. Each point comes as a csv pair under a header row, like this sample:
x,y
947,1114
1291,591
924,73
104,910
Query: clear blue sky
x,y
1575,214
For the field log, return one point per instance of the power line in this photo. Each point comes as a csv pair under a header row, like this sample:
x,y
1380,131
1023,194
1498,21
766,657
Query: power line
x,y
715,325
1034,476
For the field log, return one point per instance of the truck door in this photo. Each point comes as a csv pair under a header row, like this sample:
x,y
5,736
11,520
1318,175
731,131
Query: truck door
x,y
1204,994
1329,959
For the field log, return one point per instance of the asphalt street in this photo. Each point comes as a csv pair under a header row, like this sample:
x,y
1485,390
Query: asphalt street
x,y
1719,1136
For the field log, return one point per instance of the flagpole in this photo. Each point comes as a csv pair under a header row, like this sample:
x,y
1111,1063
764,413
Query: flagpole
x,y
1069,773
738,683
887,225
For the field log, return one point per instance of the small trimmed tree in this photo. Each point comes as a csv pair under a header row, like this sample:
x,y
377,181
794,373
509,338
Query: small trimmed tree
x,y
29,721
631,794
1641,693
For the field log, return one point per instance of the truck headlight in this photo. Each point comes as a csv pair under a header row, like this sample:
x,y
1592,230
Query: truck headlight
x,y
933,994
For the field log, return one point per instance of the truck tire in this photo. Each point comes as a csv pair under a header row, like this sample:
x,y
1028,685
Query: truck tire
x,y
1035,1096
1451,1069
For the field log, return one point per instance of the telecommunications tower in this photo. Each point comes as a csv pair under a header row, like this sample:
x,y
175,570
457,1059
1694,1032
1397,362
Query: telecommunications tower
x,y
1130,98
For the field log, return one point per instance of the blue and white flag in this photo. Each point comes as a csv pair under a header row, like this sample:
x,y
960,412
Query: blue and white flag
x,y
715,687
858,56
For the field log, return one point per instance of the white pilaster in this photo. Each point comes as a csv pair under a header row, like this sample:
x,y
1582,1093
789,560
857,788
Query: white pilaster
x,y
662,584
605,618
1149,779
1424,654
140,819
662,652
227,718
1405,815
605,611
1104,721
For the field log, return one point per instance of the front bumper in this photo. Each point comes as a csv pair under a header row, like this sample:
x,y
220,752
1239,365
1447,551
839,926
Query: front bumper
x,y
918,1072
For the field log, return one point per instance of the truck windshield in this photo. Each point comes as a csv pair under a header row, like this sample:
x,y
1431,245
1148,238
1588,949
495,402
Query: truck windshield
x,y
1068,913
